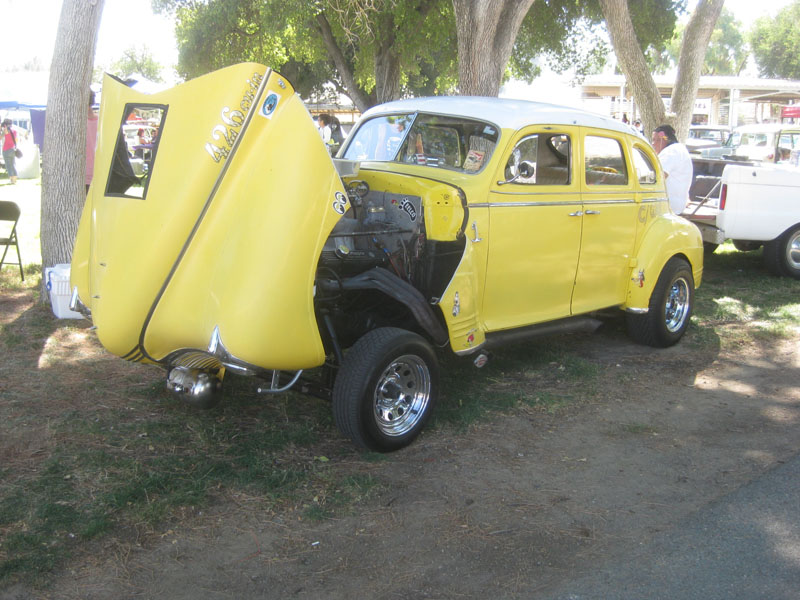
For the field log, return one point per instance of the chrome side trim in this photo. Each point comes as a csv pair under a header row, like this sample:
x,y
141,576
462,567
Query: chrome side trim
x,y
652,200
611,201
217,349
637,311
528,193
516,204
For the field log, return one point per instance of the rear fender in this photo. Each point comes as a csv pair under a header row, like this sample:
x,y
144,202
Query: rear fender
x,y
666,237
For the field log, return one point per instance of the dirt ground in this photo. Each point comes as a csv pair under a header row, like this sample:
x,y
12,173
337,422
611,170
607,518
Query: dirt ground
x,y
509,508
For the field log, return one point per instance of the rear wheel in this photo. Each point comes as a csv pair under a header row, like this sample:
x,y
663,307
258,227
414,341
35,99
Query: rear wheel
x,y
385,389
782,255
670,307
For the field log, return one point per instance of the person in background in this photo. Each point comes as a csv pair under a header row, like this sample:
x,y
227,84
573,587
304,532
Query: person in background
x,y
637,125
9,149
324,127
677,166
91,140
337,137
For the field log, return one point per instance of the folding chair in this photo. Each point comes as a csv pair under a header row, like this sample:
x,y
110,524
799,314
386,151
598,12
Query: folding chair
x,y
9,211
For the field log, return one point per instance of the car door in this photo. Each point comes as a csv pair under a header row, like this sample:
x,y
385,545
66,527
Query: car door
x,y
609,221
534,230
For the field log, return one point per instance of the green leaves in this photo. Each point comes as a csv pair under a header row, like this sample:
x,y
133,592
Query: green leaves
x,y
776,43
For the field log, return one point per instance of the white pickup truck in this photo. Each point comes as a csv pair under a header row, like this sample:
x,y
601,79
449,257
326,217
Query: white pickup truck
x,y
752,206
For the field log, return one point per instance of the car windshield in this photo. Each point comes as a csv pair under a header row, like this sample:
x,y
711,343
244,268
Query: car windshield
x,y
749,139
706,134
442,142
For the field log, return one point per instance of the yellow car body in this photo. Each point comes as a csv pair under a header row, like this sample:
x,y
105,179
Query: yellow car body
x,y
457,222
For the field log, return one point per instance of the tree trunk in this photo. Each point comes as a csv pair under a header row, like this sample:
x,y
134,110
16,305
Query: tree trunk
x,y
387,75
64,153
637,74
359,98
633,64
693,51
387,62
486,31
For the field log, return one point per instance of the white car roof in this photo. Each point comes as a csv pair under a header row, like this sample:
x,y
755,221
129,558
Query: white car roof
x,y
765,127
712,127
503,112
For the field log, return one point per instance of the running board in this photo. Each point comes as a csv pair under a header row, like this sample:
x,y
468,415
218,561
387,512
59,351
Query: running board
x,y
569,325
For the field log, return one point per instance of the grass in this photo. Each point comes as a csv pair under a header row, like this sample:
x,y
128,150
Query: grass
x,y
93,448
738,296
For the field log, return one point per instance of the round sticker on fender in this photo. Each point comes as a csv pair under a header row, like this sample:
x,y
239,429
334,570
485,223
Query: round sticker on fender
x,y
269,105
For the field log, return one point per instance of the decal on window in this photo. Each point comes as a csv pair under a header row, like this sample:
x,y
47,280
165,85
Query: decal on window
x,y
474,161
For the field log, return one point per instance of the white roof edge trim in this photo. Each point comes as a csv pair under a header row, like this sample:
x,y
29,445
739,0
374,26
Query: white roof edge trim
x,y
503,112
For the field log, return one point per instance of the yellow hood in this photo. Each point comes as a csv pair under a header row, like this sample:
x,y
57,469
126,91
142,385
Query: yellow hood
x,y
221,250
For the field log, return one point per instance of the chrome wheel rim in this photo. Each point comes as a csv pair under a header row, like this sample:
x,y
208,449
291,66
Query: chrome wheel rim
x,y
677,306
402,395
793,251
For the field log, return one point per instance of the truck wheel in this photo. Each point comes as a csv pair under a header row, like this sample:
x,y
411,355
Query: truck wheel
x,y
385,389
782,255
670,307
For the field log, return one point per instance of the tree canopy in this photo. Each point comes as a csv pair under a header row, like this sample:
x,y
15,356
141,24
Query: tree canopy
x,y
776,43
726,54
137,60
378,50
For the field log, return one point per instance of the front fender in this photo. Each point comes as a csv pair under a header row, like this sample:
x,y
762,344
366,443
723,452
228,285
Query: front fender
x,y
668,236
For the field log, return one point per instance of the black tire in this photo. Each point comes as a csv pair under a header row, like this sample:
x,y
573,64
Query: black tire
x,y
386,389
710,247
670,307
782,255
746,245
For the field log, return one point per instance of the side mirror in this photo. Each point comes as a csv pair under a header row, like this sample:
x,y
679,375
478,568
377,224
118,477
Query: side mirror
x,y
525,169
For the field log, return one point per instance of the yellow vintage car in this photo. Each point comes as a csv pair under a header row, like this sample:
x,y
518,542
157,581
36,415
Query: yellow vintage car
x,y
449,222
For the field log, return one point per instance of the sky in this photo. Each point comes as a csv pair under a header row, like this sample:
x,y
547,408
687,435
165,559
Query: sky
x,y
124,24
127,23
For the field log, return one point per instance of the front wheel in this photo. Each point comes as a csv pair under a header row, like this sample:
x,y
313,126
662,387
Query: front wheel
x,y
670,307
782,255
385,389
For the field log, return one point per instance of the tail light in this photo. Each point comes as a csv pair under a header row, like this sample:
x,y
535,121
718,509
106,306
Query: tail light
x,y
723,196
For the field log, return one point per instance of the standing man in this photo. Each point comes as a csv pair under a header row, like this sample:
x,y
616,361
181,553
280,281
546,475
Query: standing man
x,y
677,166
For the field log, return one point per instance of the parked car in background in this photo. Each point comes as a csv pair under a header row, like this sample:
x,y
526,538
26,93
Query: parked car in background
x,y
706,136
766,143
459,223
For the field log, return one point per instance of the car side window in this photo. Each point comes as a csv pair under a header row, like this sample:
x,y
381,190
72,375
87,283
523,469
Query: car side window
x,y
604,161
644,168
540,159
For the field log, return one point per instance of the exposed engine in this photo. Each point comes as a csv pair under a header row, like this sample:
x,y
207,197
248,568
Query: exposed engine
x,y
382,229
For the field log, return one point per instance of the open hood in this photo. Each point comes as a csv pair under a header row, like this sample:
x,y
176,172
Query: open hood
x,y
208,210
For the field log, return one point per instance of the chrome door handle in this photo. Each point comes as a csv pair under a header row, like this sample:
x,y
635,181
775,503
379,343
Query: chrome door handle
x,y
592,212
477,237
576,214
